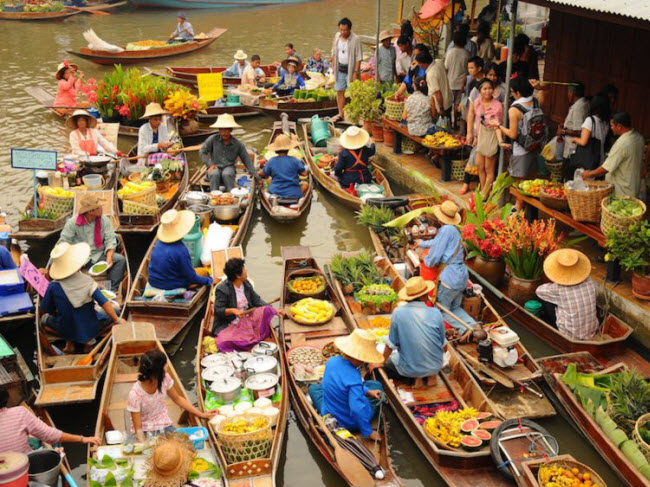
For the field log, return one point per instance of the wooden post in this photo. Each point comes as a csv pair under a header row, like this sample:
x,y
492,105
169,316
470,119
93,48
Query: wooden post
x,y
400,12
472,10
377,40
506,103
498,21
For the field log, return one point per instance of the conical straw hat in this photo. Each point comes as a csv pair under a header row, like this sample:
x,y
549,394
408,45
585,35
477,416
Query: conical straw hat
x,y
354,138
283,142
174,225
152,110
71,122
68,259
567,267
170,462
240,54
414,288
225,121
360,345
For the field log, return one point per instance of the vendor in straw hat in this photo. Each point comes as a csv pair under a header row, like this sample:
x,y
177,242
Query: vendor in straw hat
x,y
85,139
415,346
220,153
570,298
69,80
285,170
385,58
343,393
353,166
95,229
170,266
446,251
69,302
184,31
238,67
290,79
154,136
170,462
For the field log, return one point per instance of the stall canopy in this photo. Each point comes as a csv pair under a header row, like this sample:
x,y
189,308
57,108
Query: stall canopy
x,y
637,9
432,8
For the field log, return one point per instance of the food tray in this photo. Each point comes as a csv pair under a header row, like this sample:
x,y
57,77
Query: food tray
x,y
298,347
307,323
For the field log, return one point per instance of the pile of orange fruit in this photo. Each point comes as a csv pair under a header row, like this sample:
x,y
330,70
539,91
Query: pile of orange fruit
x,y
307,285
554,475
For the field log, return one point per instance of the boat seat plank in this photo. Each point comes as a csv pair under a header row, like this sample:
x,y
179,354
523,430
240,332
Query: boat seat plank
x,y
126,378
66,393
335,325
62,360
425,395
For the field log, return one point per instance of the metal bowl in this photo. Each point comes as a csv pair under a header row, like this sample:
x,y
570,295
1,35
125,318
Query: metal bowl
x,y
225,212
196,198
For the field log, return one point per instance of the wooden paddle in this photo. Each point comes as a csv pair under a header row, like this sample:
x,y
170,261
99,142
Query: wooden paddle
x,y
88,359
249,311
93,12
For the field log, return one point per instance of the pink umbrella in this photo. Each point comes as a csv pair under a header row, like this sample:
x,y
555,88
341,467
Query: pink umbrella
x,y
432,8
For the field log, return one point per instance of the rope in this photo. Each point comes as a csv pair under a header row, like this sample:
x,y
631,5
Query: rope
x,y
382,399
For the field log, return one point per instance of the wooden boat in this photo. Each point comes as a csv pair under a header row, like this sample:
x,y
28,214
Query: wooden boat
x,y
294,334
12,377
62,380
133,57
305,109
328,182
39,16
103,6
188,139
13,321
186,76
130,342
239,111
284,214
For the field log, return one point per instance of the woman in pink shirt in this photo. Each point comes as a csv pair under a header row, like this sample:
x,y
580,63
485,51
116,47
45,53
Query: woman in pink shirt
x,y
483,135
69,79
17,424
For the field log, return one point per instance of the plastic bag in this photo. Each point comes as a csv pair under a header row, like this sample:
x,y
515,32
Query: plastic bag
x,y
549,150
217,238
443,122
577,183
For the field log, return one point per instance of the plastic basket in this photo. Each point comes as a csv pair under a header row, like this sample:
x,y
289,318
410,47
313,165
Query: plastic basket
x,y
555,203
458,169
555,170
57,205
408,145
643,445
199,443
394,109
586,205
135,208
611,220
145,197
243,447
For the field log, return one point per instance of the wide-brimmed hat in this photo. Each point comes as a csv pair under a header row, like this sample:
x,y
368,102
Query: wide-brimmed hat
x,y
175,224
225,121
152,110
283,142
240,54
414,288
360,345
293,60
68,259
567,267
181,15
448,212
71,122
170,462
89,201
354,138
384,34
61,66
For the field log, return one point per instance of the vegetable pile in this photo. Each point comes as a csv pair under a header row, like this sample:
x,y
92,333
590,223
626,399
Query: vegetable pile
x,y
624,206
60,192
379,296
532,186
356,272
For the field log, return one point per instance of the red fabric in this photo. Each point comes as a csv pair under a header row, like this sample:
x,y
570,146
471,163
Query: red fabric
x,y
431,8
429,273
99,240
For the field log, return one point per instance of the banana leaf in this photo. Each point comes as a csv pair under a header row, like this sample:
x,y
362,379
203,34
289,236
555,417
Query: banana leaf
x,y
618,437
431,189
645,471
404,219
631,451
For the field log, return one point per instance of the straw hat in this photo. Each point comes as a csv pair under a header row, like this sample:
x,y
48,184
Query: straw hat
x,y
225,121
181,15
567,267
61,66
68,259
174,225
240,54
169,463
89,201
71,122
152,110
354,138
415,287
360,345
295,61
384,34
283,142
447,212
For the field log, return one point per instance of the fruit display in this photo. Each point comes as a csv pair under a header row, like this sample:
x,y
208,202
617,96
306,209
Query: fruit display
x,y
557,475
149,43
441,140
379,322
43,6
240,425
133,187
60,192
445,426
556,191
532,186
626,207
307,285
305,355
209,345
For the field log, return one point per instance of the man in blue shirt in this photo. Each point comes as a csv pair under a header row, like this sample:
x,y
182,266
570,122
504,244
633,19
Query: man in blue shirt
x,y
284,170
423,60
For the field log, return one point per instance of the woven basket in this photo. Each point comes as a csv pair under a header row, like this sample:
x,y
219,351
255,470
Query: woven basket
x,y
555,203
408,145
57,205
619,223
458,169
555,170
305,273
568,465
394,109
146,197
242,447
585,205
643,445
135,208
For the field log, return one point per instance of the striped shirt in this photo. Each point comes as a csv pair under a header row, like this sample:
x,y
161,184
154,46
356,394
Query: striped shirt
x,y
18,424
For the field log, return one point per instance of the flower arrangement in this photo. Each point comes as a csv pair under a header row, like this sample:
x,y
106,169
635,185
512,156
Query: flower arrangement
x,y
631,249
183,105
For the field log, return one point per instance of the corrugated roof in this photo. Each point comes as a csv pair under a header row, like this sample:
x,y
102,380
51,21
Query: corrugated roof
x,y
637,9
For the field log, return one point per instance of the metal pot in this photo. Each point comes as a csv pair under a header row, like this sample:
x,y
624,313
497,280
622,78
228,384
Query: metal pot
x,y
225,212
216,372
226,389
44,466
203,212
262,385
261,365
96,161
196,198
266,348
214,359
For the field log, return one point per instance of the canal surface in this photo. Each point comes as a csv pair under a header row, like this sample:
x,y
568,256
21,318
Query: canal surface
x,y
30,53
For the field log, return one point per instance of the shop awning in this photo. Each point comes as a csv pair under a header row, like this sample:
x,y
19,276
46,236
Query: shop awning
x,y
636,9
432,8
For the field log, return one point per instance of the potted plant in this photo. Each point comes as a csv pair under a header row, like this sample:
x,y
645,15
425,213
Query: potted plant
x,y
184,107
632,251
364,105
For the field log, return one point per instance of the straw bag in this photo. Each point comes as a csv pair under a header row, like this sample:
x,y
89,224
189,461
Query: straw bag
x,y
134,208
555,170
394,109
57,205
611,220
243,447
145,197
585,205
643,445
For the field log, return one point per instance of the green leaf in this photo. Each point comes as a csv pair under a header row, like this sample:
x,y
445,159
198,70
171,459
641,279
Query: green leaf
x,y
107,462
404,219
110,480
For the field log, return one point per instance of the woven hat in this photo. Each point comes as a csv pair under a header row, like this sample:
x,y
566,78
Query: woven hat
x,y
60,68
225,121
170,462
71,122
567,267
181,15
240,54
89,201
175,224
152,110
415,287
68,259
360,345
354,138
283,142
448,212
295,61
384,34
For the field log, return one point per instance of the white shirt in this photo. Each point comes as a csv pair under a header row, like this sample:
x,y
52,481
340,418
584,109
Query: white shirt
x,y
599,132
250,75
100,141
145,137
456,65
437,81
343,53
573,121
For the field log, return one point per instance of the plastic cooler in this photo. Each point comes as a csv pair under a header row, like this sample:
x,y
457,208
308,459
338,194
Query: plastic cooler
x,y
15,304
11,282
199,443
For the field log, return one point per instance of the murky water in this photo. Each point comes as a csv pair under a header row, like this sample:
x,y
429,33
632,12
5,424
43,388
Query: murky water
x,y
30,53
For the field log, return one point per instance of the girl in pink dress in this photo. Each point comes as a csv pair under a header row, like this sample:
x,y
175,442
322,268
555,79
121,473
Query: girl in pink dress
x,y
69,79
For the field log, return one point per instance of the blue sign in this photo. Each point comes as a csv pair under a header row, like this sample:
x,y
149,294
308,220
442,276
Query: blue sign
x,y
33,159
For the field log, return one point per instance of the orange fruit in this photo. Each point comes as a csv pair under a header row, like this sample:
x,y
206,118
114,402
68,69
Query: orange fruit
x,y
586,476
575,471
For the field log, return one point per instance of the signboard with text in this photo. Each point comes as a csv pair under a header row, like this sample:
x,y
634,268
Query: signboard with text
x,y
210,86
33,159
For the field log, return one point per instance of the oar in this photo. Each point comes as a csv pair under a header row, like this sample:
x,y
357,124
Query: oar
x,y
94,12
68,476
88,359
249,311
494,311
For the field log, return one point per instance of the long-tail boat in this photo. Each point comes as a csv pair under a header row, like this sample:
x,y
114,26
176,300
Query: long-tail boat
x,y
186,76
275,107
39,16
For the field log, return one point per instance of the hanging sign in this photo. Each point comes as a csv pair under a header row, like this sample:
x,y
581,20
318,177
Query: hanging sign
x,y
33,159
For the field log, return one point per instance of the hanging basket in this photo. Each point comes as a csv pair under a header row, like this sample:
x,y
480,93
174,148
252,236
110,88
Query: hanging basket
x,y
458,169
57,205
243,447
586,205
611,220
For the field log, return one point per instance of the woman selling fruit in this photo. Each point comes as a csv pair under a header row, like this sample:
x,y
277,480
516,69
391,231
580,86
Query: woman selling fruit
x,y
85,139
154,135
69,80
291,78
352,166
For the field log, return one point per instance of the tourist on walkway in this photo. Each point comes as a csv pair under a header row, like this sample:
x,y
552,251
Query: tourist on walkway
x,y
404,57
385,58
154,135
484,43
578,112
456,66
352,401
596,125
69,81
346,61
623,165
569,300
423,60
469,45
474,76
220,153
418,111
439,91
95,229
84,138
316,63
285,170
184,31
352,168
238,67
290,80
525,57
253,74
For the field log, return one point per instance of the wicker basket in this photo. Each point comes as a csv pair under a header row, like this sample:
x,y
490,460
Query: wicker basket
x,y
643,445
145,197
305,274
555,203
555,169
569,464
394,109
57,205
134,208
585,205
307,323
458,169
243,447
620,223
408,145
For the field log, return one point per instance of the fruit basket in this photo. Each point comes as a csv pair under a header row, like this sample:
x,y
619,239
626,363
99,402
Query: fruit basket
x,y
569,469
585,205
554,196
312,312
245,437
305,283
619,212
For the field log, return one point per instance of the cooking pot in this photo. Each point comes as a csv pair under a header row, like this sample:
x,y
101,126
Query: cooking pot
x,y
266,348
96,161
216,372
214,359
196,198
261,364
226,213
203,212
226,389
262,385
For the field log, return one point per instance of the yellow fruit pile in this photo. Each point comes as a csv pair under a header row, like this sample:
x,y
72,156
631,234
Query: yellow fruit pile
x,y
307,285
149,43
312,311
379,322
60,192
532,186
445,425
200,465
183,104
441,139
553,475
241,425
134,187
209,346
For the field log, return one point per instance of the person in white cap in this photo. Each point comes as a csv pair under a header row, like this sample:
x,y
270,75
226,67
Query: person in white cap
x,y
154,135
238,67
184,31
385,58
354,159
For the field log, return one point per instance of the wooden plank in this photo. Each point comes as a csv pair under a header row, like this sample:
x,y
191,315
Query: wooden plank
x,y
41,95
333,326
66,393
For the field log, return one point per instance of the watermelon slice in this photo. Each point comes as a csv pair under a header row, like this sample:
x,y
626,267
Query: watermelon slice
x,y
483,416
483,435
490,425
470,443
469,425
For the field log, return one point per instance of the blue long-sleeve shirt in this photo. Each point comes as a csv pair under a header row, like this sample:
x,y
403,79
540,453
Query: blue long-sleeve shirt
x,y
291,82
442,249
344,396
170,267
236,70
6,262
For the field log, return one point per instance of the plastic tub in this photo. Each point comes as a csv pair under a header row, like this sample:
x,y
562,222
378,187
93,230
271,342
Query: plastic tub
x,y
320,131
534,307
14,470
44,467
93,181
199,442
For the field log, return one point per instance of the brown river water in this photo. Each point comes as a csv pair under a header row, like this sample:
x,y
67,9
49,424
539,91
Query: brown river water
x,y
30,53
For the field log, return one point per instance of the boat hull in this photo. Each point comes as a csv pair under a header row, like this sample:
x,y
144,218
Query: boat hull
x,y
209,3
39,16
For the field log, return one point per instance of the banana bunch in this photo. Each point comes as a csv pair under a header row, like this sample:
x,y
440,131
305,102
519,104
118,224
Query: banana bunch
x,y
62,193
132,187
209,345
445,425
441,139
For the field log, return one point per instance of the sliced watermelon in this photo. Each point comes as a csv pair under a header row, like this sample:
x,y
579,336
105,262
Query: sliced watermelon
x,y
469,425
483,435
490,425
470,443
483,416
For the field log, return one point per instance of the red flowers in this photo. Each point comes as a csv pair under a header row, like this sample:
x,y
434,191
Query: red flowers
x,y
483,240
123,110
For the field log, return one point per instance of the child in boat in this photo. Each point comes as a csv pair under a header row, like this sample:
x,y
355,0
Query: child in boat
x,y
284,170
290,79
352,166
69,80
147,397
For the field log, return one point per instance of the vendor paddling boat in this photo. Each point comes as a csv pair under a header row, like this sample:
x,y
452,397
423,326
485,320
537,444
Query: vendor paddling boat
x,y
316,339
321,166
40,16
186,76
